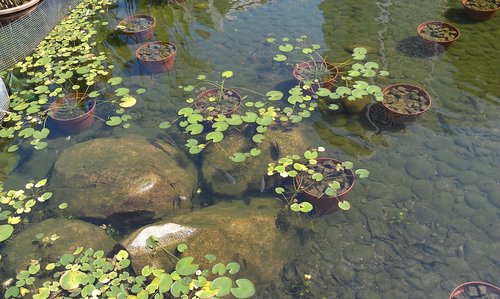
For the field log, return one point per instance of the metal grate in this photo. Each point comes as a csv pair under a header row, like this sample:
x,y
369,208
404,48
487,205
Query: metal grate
x,y
19,38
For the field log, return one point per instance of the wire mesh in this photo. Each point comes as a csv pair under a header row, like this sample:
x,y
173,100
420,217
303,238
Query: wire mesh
x,y
20,37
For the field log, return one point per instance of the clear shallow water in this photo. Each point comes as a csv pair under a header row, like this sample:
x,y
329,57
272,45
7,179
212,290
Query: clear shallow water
x,y
440,172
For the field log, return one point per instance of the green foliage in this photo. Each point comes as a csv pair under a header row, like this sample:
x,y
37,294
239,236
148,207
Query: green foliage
x,y
62,63
88,273
306,175
16,204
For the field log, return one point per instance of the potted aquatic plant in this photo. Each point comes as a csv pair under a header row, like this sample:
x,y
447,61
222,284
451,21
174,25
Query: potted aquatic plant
x,y
157,56
324,183
215,112
73,113
480,10
475,290
8,7
140,27
350,82
438,32
405,102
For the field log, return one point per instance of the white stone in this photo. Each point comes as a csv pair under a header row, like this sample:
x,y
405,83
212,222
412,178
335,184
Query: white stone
x,y
165,233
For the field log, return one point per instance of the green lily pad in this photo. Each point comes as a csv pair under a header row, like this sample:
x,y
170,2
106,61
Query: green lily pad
x,y
114,121
215,136
6,231
344,205
71,280
238,157
194,129
227,74
233,268
115,80
286,48
165,125
274,95
223,284
128,102
245,289
219,269
185,266
362,173
279,58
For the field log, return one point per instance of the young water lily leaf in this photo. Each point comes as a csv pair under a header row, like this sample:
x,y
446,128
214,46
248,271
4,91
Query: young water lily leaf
x,y
201,77
295,207
233,267
255,152
43,133
258,138
114,121
121,91
307,51
371,65
194,129
227,74
41,145
178,288
6,231
93,94
318,177
323,92
270,40
128,102
286,48
219,269
182,247
372,89
279,58
71,280
279,190
63,206
140,91
344,205
333,107
369,73
342,91
274,95
238,157
185,266
215,136
223,286
347,164
235,120
115,80
165,125
245,289
383,73
362,173
305,207
249,117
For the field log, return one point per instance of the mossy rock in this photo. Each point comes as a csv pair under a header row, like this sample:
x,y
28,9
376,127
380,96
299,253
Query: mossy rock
x,y
123,180
232,231
24,247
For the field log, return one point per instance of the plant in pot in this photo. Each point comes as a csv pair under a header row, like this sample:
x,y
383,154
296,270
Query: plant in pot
x,y
476,290
405,102
355,88
218,111
140,27
323,183
73,113
438,32
480,10
157,56
8,7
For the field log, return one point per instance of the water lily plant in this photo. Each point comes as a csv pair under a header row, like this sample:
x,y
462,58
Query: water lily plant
x,y
319,178
63,63
356,75
88,273
219,110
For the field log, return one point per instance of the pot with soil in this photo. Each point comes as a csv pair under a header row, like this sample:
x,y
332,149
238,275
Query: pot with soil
x,y
138,27
15,6
213,102
405,102
438,32
157,57
315,191
475,290
316,73
480,10
73,113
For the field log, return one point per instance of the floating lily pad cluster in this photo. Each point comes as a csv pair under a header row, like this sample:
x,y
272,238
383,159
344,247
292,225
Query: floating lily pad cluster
x,y
63,63
16,204
356,75
438,32
483,4
88,273
317,176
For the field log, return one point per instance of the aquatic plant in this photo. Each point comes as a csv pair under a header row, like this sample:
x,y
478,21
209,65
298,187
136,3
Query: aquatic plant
x,y
318,76
87,273
63,63
215,111
16,204
313,176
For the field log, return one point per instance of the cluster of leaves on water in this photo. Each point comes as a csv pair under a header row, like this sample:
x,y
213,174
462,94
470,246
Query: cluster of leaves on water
x,y
63,63
87,273
295,165
16,204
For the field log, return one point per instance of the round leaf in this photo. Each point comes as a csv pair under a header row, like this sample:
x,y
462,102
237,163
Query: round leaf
x,y
6,231
245,289
128,102
223,285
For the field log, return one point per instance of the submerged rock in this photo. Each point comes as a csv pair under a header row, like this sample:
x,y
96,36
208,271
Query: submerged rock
x,y
28,244
232,231
124,180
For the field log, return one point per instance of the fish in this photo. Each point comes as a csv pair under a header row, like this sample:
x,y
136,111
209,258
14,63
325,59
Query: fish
x,y
274,147
444,125
474,102
159,146
228,177
167,138
262,184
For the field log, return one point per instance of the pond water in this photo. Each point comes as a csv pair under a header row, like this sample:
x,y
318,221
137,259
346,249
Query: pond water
x,y
427,218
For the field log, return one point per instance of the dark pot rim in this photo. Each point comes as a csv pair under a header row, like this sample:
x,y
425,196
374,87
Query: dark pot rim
x,y
54,106
443,24
18,8
309,62
414,87
349,172
459,289
464,2
127,19
172,54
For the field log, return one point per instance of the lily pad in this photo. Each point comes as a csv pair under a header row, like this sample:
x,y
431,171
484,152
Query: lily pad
x,y
128,102
6,231
245,289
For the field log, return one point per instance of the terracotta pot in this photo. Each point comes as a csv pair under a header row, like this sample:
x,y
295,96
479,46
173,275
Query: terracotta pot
x,y
77,124
405,117
18,8
325,204
141,35
442,24
213,92
461,288
325,84
479,15
161,65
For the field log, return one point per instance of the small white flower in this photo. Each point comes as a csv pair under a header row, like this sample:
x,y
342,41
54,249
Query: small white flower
x,y
198,272
321,149
284,174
